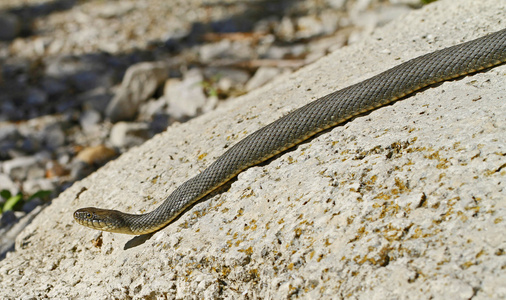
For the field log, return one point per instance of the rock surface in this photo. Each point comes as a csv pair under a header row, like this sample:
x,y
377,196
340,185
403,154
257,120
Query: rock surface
x,y
405,202
61,76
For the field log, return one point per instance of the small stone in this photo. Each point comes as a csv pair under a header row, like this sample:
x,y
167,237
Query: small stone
x,y
7,184
54,169
339,4
286,29
80,169
210,52
276,52
19,167
228,78
9,135
225,49
33,186
89,119
96,155
185,98
139,84
151,108
112,10
126,135
261,77
309,27
62,66
53,136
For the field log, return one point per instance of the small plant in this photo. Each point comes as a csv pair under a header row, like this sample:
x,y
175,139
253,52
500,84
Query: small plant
x,y
15,202
210,86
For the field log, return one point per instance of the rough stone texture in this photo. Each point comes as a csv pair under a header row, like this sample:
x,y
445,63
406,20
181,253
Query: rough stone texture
x,y
405,202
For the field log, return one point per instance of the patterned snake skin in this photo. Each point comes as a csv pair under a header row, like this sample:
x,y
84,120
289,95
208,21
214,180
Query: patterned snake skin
x,y
290,130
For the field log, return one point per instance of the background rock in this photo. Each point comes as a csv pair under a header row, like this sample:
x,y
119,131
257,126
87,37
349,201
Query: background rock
x,y
139,84
185,98
261,77
127,134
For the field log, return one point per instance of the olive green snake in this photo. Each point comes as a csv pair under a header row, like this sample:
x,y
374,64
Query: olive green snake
x,y
299,125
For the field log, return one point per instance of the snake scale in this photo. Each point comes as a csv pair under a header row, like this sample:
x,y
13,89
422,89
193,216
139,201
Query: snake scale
x,y
299,125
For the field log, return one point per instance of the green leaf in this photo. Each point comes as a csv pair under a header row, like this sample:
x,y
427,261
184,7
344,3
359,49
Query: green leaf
x,y
6,194
12,202
42,194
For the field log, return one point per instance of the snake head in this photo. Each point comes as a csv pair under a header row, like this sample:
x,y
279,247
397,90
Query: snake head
x,y
101,219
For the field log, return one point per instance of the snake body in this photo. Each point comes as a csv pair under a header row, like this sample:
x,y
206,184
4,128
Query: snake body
x,y
299,125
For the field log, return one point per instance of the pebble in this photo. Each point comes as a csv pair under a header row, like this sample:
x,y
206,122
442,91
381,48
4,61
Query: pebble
x,y
89,119
80,169
6,183
128,134
19,168
313,26
97,155
140,82
53,136
33,186
228,79
152,108
185,98
261,77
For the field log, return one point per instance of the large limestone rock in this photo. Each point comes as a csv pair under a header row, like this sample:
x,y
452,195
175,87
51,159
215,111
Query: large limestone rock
x,y
408,201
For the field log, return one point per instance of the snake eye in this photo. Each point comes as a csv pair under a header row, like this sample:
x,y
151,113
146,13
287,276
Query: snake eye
x,y
88,215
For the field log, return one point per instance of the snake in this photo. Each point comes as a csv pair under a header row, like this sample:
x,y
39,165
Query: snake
x,y
299,125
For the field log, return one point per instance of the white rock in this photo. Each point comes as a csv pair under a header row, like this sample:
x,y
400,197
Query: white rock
x,y
155,106
225,49
209,52
139,84
19,167
261,77
32,186
286,29
88,119
126,134
7,184
185,97
309,26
